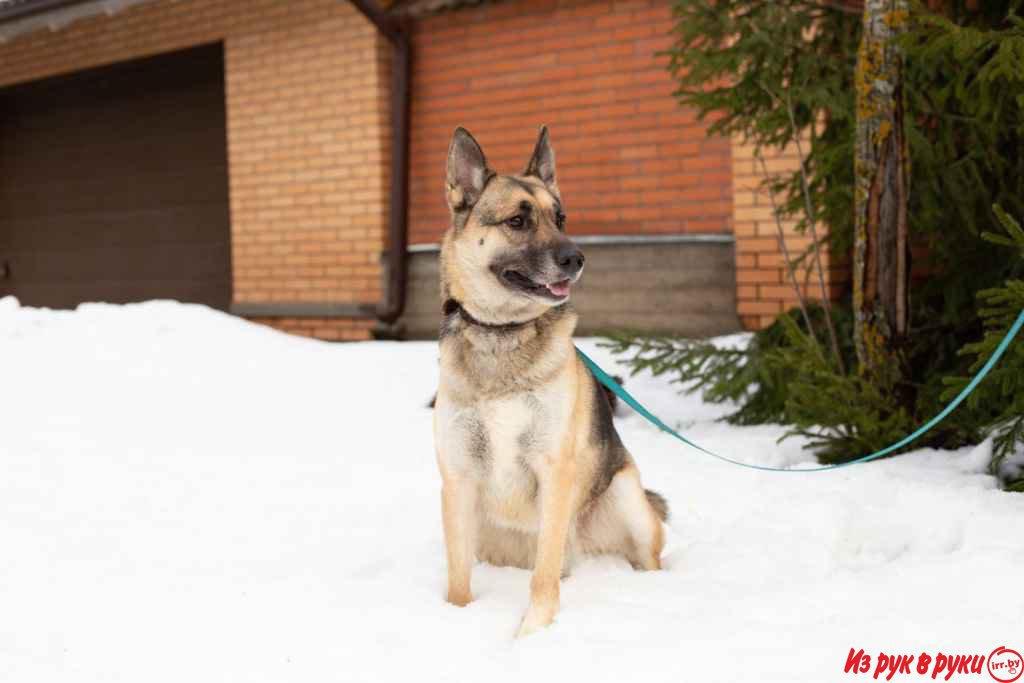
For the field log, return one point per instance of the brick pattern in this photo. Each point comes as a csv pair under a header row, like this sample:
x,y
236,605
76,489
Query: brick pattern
x,y
306,89
306,84
328,329
763,287
630,160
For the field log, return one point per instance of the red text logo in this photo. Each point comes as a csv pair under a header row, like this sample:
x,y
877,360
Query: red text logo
x,y
1003,665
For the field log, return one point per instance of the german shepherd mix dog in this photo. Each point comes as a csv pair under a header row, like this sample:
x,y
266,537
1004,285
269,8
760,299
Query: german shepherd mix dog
x,y
533,472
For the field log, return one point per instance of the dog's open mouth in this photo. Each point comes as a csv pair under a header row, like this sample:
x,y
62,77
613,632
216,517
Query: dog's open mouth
x,y
555,290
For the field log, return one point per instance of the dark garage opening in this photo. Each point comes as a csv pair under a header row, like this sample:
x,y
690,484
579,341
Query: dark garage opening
x,y
114,184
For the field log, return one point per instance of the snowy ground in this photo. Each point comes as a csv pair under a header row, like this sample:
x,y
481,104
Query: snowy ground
x,y
188,497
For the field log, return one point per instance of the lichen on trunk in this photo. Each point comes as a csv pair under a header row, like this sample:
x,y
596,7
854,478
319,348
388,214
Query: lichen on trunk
x,y
881,269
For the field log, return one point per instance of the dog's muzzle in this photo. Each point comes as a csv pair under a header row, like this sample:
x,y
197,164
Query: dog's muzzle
x,y
569,259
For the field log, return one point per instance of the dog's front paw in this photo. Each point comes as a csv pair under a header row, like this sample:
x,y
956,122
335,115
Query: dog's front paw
x,y
536,618
459,598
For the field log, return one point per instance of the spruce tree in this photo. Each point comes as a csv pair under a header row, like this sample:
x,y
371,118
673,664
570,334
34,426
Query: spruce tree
x,y
736,61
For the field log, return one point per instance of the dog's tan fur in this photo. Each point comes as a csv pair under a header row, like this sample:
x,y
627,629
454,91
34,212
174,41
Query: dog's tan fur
x,y
533,473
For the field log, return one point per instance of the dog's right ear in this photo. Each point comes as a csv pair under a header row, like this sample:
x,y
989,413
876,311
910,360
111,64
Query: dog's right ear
x,y
467,171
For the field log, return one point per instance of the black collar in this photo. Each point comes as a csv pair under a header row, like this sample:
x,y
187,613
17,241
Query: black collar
x,y
453,307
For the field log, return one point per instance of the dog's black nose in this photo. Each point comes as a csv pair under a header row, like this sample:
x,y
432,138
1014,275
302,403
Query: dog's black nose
x,y
569,258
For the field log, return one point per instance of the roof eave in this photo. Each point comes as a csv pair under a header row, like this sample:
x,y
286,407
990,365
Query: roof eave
x,y
20,10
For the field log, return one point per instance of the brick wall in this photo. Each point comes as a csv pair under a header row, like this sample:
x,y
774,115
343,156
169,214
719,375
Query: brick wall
x,y
329,329
630,159
763,287
306,85
307,134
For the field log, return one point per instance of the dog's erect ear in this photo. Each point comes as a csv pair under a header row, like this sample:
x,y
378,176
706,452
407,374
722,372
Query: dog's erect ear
x,y
467,171
542,163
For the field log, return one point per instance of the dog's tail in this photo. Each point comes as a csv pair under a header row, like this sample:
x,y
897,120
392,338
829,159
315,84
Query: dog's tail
x,y
659,504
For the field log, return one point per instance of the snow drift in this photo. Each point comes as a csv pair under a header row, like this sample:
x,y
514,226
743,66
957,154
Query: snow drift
x,y
190,497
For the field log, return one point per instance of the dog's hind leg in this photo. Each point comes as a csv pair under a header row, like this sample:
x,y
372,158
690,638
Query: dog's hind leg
x,y
642,513
627,520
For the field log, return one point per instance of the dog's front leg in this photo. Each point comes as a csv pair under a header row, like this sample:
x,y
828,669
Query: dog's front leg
x,y
458,507
556,501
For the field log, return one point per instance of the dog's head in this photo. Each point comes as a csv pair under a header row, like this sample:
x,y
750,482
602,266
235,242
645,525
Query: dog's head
x,y
506,254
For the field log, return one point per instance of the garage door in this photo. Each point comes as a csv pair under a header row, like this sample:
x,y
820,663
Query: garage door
x,y
113,184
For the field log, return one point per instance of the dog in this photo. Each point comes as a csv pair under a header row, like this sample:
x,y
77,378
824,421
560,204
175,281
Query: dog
x,y
533,473
613,398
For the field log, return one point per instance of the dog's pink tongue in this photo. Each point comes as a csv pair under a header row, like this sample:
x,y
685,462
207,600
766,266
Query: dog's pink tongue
x,y
559,288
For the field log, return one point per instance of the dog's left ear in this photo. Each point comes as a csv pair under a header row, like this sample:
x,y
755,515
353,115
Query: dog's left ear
x,y
542,163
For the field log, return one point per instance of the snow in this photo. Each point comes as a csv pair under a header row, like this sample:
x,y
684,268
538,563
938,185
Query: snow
x,y
190,497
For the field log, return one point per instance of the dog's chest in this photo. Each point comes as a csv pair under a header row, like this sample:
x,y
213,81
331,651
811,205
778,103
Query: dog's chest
x,y
502,442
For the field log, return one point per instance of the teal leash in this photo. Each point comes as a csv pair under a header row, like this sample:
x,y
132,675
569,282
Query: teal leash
x,y
606,379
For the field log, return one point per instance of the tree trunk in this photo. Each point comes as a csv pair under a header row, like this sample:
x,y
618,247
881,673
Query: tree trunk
x,y
881,270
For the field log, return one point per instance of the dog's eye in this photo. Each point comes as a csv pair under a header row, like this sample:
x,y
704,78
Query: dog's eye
x,y
560,220
516,222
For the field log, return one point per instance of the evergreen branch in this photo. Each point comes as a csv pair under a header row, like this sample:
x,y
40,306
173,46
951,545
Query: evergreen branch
x,y
785,254
812,219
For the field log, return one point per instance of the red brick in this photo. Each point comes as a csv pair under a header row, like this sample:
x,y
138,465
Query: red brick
x,y
604,98
758,276
758,307
296,102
